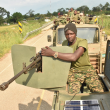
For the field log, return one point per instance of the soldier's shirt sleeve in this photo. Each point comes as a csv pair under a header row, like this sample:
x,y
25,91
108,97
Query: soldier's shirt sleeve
x,y
83,43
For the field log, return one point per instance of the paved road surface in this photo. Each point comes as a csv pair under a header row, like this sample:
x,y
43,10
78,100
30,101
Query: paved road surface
x,y
19,97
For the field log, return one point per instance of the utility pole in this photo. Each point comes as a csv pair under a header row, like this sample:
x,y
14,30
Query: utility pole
x,y
50,6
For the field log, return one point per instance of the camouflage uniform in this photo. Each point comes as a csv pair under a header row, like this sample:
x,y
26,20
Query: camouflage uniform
x,y
86,20
82,19
90,77
56,23
91,20
63,20
76,18
71,15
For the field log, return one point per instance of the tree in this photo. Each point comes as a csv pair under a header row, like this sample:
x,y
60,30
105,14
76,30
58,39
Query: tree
x,y
37,15
48,14
3,12
25,16
8,14
83,8
55,13
100,5
96,9
1,20
17,17
107,5
30,13
62,10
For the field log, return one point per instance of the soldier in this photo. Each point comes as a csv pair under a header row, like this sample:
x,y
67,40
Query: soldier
x,y
68,13
81,69
76,18
71,14
82,17
59,20
62,19
91,19
56,22
86,20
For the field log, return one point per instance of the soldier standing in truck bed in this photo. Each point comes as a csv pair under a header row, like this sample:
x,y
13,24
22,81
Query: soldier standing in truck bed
x,y
81,68
68,13
82,17
71,14
76,18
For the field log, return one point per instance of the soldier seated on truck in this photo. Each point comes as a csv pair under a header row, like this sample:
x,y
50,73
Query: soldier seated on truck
x,y
81,70
60,20
76,17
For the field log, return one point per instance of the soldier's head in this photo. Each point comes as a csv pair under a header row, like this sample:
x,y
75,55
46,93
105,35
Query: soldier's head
x,y
81,14
59,14
71,9
70,32
68,10
75,12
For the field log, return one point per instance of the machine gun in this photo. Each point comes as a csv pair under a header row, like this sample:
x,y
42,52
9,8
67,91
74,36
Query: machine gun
x,y
36,63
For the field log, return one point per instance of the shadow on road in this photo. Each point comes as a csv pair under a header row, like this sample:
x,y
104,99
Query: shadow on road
x,y
34,104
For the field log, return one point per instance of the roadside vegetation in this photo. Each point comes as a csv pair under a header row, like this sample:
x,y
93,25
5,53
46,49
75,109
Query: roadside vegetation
x,y
104,22
10,35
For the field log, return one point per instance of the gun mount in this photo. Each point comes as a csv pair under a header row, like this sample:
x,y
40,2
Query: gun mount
x,y
36,63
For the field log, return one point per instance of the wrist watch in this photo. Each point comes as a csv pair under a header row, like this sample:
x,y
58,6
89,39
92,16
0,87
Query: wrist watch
x,y
55,54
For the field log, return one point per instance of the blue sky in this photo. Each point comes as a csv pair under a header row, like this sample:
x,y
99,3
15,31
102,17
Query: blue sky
x,y
42,6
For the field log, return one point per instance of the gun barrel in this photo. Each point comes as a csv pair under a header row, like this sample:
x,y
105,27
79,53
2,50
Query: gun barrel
x,y
5,85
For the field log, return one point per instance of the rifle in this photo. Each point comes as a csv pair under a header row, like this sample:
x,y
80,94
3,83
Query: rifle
x,y
36,63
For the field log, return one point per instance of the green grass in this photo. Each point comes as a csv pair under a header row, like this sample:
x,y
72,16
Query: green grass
x,y
104,21
10,35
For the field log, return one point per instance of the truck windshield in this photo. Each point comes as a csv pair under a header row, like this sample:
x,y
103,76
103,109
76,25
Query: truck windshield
x,y
91,34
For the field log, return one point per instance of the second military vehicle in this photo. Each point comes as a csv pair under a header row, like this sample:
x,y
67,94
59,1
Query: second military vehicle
x,y
92,33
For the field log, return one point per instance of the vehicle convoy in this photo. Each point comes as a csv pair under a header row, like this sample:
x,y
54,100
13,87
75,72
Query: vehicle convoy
x,y
51,74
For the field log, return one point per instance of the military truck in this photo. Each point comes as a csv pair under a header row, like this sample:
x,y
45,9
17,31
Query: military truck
x,y
53,77
54,72
93,34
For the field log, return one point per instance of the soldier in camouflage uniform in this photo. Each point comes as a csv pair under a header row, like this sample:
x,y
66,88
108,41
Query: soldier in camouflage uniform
x,y
81,68
82,17
77,77
60,20
76,17
68,13
86,20
56,24
91,19
71,14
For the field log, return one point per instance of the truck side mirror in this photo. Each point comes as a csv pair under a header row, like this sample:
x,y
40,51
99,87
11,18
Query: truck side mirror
x,y
105,37
49,38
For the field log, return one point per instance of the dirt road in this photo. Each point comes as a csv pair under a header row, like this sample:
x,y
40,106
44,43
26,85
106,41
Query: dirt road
x,y
19,97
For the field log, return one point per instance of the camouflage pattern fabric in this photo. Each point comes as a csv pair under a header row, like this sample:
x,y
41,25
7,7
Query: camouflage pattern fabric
x,y
90,77
71,15
86,20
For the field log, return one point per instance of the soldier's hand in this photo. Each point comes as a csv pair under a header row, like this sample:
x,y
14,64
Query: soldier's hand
x,y
47,51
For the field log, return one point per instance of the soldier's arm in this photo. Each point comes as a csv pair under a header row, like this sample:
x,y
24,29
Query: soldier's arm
x,y
63,56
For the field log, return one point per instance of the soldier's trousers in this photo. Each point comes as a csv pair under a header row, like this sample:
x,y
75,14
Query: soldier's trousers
x,y
90,77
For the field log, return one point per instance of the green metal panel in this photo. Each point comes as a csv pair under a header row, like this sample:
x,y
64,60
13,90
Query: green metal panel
x,y
54,71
